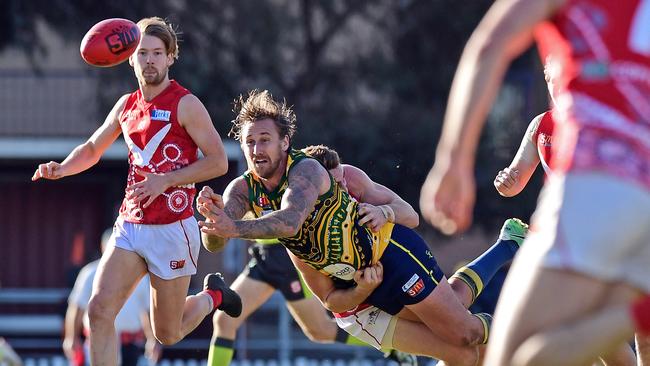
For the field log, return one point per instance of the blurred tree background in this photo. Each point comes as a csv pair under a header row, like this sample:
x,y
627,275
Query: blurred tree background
x,y
368,78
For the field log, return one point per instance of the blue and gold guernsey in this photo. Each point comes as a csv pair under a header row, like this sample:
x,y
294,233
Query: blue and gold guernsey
x,y
330,240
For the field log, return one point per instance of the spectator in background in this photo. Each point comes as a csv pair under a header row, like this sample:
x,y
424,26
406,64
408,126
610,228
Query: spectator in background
x,y
132,322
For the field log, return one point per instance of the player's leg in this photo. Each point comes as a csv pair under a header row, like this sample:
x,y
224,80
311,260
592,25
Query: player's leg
x,y
623,355
415,337
111,287
253,294
171,251
404,332
557,291
571,338
413,279
469,281
312,318
446,316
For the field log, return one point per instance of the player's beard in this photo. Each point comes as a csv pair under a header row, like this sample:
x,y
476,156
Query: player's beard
x,y
267,169
152,78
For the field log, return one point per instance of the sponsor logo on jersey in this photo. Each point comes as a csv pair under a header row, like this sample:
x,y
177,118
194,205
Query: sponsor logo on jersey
x,y
410,282
160,115
177,264
343,271
416,288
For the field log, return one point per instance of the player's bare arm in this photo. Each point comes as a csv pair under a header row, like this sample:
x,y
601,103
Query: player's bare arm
x,y
512,180
234,204
340,300
379,203
193,116
449,192
307,180
87,154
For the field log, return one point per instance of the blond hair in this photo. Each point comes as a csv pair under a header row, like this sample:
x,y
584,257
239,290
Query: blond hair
x,y
159,28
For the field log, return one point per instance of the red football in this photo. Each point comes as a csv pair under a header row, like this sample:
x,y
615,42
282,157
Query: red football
x,y
110,42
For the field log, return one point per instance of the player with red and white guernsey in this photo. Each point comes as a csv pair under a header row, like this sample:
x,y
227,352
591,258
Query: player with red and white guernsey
x,y
535,148
573,291
164,126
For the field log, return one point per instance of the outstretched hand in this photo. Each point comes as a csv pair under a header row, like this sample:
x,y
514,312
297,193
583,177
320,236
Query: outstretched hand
x,y
447,198
210,205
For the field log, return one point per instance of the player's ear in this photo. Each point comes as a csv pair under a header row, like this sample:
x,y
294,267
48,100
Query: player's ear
x,y
170,60
285,143
131,59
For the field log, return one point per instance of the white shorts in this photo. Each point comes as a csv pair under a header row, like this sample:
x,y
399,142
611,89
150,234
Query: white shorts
x,y
595,224
371,325
170,250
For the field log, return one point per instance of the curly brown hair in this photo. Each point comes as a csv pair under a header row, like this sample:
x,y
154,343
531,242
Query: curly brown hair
x,y
328,157
259,105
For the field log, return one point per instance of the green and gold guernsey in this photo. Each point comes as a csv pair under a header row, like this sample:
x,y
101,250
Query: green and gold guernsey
x,y
330,240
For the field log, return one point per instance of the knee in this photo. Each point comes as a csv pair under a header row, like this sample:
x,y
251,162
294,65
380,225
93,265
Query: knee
x,y
223,323
167,336
466,336
100,312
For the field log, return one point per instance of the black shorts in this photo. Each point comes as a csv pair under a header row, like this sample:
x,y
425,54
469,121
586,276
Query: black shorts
x,y
270,263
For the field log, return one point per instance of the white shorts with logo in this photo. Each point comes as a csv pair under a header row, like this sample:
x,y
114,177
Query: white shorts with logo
x,y
170,250
593,223
371,325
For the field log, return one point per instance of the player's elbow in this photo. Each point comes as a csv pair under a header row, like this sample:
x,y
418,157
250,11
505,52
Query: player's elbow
x,y
89,152
220,167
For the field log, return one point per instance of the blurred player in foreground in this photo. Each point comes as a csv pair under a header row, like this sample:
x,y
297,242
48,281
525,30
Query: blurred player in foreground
x,y
573,292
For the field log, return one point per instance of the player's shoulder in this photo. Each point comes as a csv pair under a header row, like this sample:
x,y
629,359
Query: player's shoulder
x,y
306,165
312,170
239,184
190,108
121,102
534,124
355,176
189,101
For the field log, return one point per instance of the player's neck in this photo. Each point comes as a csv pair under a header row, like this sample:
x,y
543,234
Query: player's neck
x,y
151,91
